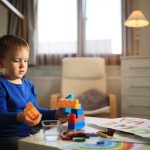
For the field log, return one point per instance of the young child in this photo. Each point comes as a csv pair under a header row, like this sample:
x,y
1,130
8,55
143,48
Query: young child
x,y
15,92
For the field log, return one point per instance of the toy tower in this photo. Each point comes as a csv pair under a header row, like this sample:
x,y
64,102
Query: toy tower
x,y
71,107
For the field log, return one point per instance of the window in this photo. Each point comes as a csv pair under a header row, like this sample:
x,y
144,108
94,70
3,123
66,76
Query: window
x,y
103,27
66,27
57,26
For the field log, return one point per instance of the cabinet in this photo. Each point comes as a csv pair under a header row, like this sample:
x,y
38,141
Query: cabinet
x,y
135,86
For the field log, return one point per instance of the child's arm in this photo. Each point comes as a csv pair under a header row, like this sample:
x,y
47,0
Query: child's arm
x,y
6,117
47,114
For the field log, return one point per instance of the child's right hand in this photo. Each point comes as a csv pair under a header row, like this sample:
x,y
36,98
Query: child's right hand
x,y
24,118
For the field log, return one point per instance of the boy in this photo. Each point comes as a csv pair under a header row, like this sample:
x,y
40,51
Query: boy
x,y
15,92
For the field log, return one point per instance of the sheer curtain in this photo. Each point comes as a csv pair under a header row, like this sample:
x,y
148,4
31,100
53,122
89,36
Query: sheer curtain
x,y
103,35
57,30
79,28
29,9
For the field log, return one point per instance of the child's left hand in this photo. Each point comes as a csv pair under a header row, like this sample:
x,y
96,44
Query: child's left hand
x,y
60,116
21,116
31,122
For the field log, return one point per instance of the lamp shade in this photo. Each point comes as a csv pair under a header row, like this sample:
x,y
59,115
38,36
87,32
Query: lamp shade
x,y
136,20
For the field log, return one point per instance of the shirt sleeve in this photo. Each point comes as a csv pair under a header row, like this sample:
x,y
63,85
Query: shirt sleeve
x,y
47,114
6,118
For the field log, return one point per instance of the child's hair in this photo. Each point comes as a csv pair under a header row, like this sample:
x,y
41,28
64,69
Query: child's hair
x,y
11,42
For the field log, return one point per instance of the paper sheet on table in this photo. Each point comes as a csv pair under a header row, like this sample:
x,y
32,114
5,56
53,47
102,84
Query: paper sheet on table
x,y
126,137
137,126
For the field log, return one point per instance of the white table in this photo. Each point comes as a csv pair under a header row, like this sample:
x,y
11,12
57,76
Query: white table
x,y
38,143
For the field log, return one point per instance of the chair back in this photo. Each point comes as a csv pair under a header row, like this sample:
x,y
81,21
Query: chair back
x,y
80,74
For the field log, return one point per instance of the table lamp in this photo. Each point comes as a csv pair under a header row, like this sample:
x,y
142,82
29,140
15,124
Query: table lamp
x,y
136,20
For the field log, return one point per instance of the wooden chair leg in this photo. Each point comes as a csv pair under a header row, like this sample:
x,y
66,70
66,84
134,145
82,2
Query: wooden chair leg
x,y
113,106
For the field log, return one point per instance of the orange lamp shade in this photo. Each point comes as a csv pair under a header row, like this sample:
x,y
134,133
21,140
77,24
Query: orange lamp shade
x,y
31,111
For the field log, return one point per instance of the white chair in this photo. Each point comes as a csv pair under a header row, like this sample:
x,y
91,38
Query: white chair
x,y
80,74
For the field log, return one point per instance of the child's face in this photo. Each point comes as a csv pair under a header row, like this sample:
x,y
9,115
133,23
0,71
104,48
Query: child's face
x,y
16,63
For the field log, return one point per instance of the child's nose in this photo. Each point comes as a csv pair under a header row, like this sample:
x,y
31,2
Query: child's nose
x,y
22,65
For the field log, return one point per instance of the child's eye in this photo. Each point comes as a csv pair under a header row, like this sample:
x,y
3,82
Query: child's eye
x,y
26,60
16,61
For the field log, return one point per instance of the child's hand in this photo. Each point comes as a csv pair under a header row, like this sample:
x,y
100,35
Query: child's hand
x,y
60,116
24,118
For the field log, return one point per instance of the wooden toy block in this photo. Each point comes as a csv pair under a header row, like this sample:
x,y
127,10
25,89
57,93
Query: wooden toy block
x,y
31,111
70,104
76,104
73,119
78,126
70,96
67,103
66,111
77,112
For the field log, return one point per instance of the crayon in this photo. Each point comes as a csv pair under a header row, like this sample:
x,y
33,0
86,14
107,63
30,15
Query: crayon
x,y
79,139
104,135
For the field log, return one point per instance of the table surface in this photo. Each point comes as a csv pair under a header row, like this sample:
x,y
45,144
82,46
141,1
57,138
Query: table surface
x,y
37,142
